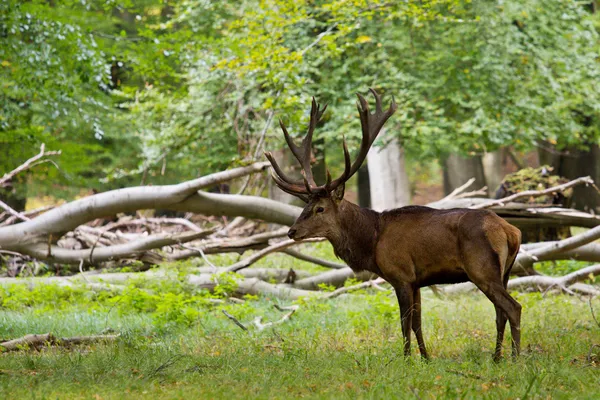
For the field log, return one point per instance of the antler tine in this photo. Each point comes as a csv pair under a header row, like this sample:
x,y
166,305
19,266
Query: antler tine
x,y
300,153
347,168
303,152
371,124
280,172
294,190
305,181
378,108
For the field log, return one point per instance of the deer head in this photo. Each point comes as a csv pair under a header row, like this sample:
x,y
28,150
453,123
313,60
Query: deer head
x,y
320,217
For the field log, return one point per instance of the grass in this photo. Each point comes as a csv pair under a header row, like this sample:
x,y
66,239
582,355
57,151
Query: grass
x,y
344,348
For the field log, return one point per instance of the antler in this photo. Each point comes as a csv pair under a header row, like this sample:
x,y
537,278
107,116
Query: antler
x,y
371,126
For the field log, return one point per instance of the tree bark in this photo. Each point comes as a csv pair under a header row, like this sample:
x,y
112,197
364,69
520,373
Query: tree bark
x,y
458,170
364,186
334,278
388,180
493,170
572,163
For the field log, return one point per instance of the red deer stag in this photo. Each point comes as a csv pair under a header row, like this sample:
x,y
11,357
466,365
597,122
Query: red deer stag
x,y
410,247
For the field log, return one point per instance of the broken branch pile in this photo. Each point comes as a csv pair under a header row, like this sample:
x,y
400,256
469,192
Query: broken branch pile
x,y
79,233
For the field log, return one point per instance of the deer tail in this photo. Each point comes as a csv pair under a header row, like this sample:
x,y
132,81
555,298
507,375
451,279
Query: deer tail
x,y
513,240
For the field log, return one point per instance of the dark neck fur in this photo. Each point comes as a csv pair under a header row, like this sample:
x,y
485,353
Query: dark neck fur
x,y
355,242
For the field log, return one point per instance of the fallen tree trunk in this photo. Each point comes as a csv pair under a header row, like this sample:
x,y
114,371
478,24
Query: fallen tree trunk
x,y
238,245
541,283
38,342
183,196
334,278
256,287
560,250
111,281
134,249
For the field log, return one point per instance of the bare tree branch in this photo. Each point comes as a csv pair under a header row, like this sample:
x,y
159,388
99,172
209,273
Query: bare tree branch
x,y
333,278
131,249
362,285
184,196
258,320
236,245
314,260
537,193
13,212
27,165
264,252
538,282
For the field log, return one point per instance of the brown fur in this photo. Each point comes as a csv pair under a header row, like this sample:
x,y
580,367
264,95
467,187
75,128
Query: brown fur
x,y
412,247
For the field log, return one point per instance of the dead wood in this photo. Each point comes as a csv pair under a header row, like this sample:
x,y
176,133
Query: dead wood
x,y
30,163
314,260
334,278
33,341
232,245
537,193
256,287
541,283
266,251
363,285
264,274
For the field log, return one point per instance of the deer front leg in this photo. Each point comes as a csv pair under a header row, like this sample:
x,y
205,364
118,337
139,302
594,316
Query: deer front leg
x,y
404,293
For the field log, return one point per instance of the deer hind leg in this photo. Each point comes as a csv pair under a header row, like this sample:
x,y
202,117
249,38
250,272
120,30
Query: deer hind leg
x,y
416,323
510,309
501,319
487,273
404,293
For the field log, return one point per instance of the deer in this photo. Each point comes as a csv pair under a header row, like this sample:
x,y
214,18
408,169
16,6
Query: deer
x,y
409,247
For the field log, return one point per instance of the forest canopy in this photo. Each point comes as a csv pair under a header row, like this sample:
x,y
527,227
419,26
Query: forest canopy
x,y
147,90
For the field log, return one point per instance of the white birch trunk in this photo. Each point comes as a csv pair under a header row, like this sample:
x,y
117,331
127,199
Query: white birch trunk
x,y
388,180
493,171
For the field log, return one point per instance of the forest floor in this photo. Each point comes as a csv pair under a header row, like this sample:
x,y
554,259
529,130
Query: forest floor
x,y
174,344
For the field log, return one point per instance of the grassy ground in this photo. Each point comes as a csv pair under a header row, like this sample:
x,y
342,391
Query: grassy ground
x,y
344,348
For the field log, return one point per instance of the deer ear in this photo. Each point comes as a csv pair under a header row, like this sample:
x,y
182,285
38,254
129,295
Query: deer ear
x,y
338,193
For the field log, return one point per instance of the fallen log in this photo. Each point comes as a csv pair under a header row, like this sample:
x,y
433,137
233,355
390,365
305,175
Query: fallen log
x,y
334,278
541,283
256,287
236,245
40,341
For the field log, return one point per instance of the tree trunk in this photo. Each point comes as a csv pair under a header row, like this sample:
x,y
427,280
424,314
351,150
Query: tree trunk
x,y
573,163
388,180
364,190
458,170
493,170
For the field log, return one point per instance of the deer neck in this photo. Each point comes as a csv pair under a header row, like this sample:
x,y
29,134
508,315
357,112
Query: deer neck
x,y
355,240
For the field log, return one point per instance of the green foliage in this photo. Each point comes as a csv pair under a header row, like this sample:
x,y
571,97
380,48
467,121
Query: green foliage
x,y
168,301
65,66
560,267
144,90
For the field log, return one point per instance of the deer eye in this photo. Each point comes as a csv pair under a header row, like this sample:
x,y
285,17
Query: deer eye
x,y
320,209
